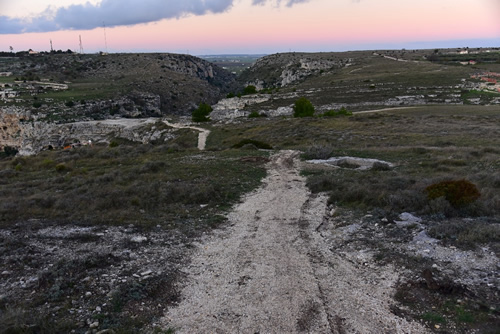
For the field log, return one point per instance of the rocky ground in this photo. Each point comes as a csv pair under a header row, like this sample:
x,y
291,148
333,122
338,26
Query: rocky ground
x,y
286,261
289,263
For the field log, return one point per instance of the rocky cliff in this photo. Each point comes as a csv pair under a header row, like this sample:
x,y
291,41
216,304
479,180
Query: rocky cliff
x,y
281,70
21,130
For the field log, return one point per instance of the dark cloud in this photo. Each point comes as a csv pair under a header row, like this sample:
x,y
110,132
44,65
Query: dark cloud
x,y
112,13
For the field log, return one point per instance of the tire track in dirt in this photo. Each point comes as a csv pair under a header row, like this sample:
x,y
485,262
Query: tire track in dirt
x,y
270,271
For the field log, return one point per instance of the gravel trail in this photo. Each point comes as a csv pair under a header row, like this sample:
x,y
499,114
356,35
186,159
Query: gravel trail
x,y
270,271
202,136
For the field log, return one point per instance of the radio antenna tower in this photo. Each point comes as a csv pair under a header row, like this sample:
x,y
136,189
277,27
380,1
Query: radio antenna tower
x,y
105,40
81,46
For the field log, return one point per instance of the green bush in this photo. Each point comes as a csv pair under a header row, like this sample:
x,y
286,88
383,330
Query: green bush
x,y
230,95
332,113
303,108
69,104
249,90
201,113
37,104
10,151
457,192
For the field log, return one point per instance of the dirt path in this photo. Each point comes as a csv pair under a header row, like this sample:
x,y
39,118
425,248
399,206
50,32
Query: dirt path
x,y
384,109
202,137
270,271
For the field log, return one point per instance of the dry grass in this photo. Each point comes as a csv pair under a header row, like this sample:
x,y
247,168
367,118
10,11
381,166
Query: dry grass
x,y
143,184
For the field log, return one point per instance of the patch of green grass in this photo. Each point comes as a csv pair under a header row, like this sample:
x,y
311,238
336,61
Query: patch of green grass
x,y
433,318
485,96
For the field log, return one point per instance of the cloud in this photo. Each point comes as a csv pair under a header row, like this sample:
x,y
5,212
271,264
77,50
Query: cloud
x,y
288,3
112,13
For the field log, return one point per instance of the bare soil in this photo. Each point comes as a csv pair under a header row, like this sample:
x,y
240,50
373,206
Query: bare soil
x,y
273,271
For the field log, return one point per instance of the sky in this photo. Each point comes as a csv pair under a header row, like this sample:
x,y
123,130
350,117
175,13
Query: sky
x,y
204,27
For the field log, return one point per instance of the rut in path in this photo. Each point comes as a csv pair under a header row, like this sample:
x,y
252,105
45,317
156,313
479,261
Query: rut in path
x,y
268,272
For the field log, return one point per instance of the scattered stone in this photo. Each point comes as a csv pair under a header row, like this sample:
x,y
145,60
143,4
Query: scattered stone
x,y
407,219
138,239
95,324
88,294
106,331
146,273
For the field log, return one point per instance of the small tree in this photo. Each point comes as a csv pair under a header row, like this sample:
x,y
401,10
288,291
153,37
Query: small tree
x,y
201,113
303,108
250,90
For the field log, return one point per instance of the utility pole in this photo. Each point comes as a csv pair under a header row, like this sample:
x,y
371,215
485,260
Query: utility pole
x,y
81,46
51,48
105,40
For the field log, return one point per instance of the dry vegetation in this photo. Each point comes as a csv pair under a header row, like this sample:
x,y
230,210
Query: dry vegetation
x,y
96,237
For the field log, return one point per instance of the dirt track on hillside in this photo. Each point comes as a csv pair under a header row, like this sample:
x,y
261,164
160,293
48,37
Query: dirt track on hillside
x,y
270,271
202,136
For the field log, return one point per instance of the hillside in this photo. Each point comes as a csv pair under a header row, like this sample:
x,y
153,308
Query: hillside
x,y
117,84
369,79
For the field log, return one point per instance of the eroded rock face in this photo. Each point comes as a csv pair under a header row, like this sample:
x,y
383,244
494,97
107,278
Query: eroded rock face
x,y
231,108
31,137
284,69
11,125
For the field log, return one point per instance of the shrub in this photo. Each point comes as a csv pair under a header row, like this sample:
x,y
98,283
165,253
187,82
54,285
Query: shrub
x,y
230,95
332,113
249,90
255,114
69,104
10,151
303,108
201,113
61,167
457,192
37,104
257,144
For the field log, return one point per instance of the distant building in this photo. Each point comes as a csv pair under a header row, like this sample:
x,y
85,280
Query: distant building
x,y
31,52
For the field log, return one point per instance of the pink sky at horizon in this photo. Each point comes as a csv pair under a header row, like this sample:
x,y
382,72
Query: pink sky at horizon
x,y
317,25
